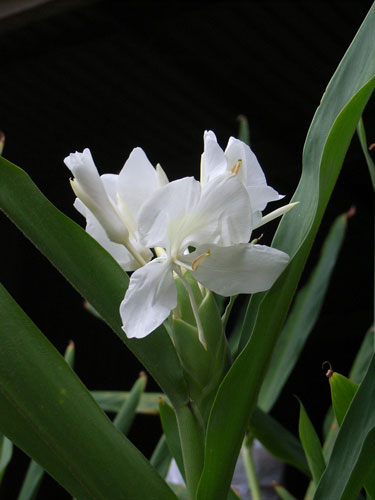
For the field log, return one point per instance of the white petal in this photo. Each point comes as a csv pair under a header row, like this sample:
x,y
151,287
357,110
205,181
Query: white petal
x,y
250,168
137,180
243,268
118,252
251,174
149,299
89,188
261,195
225,209
171,202
161,176
213,160
84,170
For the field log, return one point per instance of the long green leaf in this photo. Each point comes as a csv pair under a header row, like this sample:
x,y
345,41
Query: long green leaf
x,y
325,148
279,441
283,493
6,452
352,459
363,357
89,268
342,393
170,429
35,472
311,445
363,141
48,412
126,414
31,482
301,321
112,401
161,457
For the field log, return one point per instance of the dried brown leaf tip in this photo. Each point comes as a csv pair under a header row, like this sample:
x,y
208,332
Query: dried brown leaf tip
x,y
329,372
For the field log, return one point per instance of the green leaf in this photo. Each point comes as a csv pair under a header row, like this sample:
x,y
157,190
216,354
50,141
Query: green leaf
x,y
70,353
161,457
283,493
112,401
326,144
303,317
352,460
279,441
31,482
244,131
363,357
6,452
311,445
363,141
342,393
35,472
126,414
170,429
48,412
89,268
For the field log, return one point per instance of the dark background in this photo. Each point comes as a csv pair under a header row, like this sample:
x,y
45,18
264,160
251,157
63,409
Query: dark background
x,y
114,75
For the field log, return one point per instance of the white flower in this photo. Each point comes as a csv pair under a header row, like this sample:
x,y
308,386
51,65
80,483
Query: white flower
x,y
215,219
238,158
111,203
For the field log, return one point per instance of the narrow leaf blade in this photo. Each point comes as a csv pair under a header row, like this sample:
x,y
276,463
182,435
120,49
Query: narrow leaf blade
x,y
326,144
301,320
311,445
34,377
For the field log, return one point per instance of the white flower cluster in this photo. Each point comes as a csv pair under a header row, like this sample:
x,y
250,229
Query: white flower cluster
x,y
157,228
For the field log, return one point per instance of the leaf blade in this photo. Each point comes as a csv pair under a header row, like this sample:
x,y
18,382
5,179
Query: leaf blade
x,y
326,144
33,377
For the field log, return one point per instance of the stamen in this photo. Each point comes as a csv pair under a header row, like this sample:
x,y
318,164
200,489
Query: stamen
x,y
276,213
160,251
236,167
198,261
255,241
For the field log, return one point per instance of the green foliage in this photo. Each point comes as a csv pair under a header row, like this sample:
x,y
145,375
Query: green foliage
x,y
112,401
302,318
326,144
278,440
61,439
311,444
352,459
124,418
6,452
363,141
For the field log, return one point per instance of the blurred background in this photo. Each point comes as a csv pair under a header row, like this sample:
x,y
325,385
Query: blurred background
x,y
112,75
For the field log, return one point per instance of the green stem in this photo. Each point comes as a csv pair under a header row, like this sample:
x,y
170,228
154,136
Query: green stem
x,y
250,469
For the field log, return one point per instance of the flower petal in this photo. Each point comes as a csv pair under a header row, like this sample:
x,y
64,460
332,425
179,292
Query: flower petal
x,y
89,188
149,299
236,269
213,160
225,209
94,229
138,180
171,202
